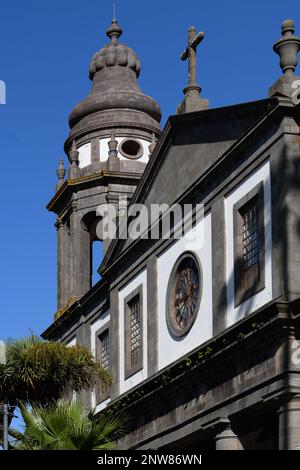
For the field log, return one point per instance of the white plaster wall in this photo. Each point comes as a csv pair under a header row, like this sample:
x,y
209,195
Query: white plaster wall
x,y
85,156
198,241
140,376
235,314
104,149
102,322
72,343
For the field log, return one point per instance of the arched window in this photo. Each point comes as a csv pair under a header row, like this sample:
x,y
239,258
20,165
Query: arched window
x,y
96,256
91,248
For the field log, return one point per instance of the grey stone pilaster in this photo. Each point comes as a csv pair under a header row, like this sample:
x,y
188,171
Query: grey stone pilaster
x,y
95,150
219,292
278,192
293,209
152,316
286,213
289,424
83,337
115,343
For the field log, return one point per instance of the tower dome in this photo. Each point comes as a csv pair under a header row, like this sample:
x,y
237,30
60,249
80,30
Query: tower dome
x,y
114,54
115,105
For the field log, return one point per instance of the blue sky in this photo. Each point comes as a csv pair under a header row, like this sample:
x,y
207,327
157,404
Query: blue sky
x,y
45,49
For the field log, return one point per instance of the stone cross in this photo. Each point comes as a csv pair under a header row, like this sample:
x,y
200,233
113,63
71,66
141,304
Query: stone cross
x,y
190,53
192,101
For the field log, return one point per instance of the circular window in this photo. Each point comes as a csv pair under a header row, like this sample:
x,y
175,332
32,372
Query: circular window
x,y
130,148
184,295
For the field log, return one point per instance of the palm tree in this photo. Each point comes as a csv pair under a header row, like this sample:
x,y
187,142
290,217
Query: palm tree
x,y
38,371
65,426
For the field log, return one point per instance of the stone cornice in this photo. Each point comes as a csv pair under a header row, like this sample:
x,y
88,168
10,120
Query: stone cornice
x,y
74,308
105,175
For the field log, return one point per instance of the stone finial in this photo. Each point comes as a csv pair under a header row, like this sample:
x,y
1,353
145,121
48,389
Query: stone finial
x,y
114,31
153,144
287,47
74,153
113,145
61,173
74,162
113,159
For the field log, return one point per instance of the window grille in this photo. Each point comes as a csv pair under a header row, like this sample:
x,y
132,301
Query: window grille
x,y
104,350
250,233
135,330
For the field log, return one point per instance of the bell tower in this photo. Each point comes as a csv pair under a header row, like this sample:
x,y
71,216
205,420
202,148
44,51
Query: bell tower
x,y
112,135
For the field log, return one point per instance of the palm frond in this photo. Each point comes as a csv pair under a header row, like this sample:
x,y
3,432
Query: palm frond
x,y
38,371
65,426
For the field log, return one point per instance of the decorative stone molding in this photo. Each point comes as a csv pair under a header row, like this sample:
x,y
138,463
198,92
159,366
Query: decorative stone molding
x,y
227,440
59,223
64,309
74,171
61,173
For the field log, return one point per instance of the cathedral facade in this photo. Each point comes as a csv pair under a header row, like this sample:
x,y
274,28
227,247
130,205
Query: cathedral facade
x,y
199,331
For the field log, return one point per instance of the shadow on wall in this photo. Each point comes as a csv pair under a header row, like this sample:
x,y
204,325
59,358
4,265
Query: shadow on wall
x,y
285,203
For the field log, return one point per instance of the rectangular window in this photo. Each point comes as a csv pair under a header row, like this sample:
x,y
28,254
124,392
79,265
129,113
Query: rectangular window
x,y
250,233
104,350
249,245
133,333
103,356
135,330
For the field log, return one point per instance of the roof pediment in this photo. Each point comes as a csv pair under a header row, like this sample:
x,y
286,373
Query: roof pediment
x,y
189,146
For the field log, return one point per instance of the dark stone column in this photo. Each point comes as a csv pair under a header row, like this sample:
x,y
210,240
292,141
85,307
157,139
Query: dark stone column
x,y
75,247
226,439
63,264
60,264
81,254
289,424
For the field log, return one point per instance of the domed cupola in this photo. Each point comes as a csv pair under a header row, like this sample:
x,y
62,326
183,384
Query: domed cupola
x,y
115,106
114,54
